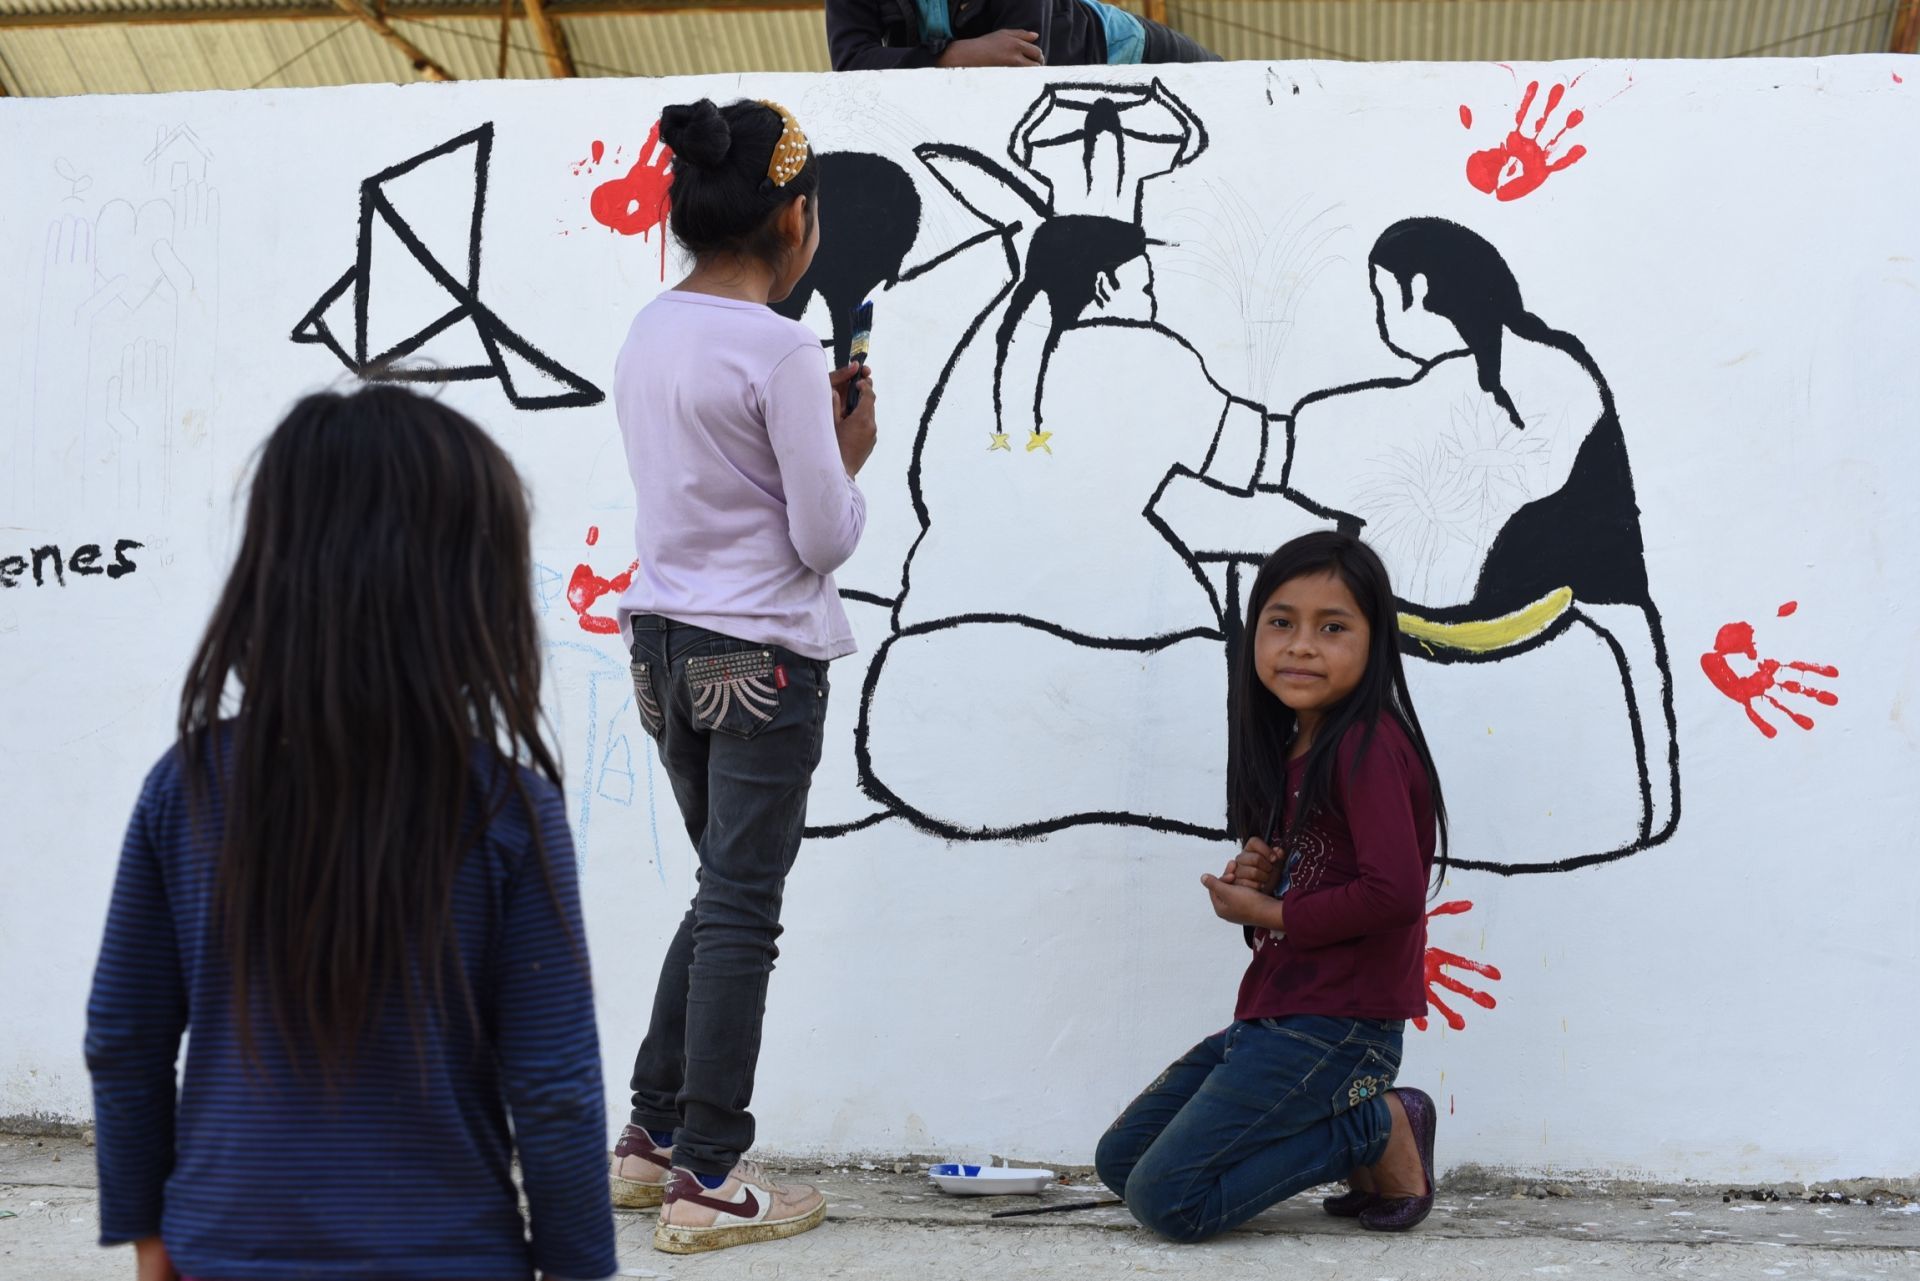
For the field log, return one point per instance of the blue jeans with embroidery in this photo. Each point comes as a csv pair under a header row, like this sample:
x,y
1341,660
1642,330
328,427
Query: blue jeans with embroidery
x,y
739,727
1250,1116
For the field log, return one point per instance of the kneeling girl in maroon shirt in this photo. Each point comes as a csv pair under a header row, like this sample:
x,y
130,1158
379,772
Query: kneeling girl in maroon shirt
x,y
1333,794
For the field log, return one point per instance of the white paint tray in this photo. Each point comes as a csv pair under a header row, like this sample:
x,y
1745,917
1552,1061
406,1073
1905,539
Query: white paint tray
x,y
989,1180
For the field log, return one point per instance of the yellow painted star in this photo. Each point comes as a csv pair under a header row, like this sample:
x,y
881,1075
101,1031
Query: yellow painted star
x,y
999,442
1039,440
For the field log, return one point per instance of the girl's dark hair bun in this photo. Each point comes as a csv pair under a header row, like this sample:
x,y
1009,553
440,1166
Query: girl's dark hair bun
x,y
697,132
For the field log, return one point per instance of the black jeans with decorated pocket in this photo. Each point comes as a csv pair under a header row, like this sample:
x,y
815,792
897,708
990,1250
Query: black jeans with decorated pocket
x,y
738,726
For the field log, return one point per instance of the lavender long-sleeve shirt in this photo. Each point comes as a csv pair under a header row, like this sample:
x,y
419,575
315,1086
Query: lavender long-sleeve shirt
x,y
744,508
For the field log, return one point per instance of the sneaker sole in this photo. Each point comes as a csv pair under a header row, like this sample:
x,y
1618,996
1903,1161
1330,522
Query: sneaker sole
x,y
672,1240
629,1195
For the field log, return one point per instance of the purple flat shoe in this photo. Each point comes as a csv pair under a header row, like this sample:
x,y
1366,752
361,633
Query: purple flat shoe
x,y
1397,1214
1348,1205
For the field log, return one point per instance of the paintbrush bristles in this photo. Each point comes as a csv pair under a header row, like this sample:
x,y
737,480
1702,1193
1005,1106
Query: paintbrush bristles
x,y
862,332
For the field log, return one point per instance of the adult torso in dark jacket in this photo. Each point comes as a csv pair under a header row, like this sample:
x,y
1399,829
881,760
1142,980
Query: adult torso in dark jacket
x,y
875,35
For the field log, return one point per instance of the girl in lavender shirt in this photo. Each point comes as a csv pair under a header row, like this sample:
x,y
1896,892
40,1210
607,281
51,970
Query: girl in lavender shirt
x,y
743,455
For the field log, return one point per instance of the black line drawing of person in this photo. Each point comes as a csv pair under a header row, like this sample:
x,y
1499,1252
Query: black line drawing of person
x,y
1067,364
1495,481
1049,605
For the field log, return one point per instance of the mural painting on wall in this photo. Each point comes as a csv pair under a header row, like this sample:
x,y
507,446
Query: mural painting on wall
x,y
1494,477
1039,605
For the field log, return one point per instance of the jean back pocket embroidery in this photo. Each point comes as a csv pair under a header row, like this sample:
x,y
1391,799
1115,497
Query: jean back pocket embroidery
x,y
735,693
1367,1087
648,699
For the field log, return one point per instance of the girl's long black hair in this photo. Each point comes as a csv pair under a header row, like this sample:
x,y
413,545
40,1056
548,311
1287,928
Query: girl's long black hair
x,y
1260,727
379,626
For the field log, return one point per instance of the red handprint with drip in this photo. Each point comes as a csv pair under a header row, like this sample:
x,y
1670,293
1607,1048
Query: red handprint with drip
x,y
1521,163
586,587
1439,961
635,204
1736,640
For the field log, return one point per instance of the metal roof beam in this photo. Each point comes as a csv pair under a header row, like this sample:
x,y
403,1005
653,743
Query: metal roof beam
x,y
1906,28
553,41
427,68
328,10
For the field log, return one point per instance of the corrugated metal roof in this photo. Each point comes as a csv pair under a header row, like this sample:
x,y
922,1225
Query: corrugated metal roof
x,y
147,56
1534,30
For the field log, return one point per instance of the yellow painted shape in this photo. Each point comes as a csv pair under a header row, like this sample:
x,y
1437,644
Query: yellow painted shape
x,y
1039,440
1485,635
999,442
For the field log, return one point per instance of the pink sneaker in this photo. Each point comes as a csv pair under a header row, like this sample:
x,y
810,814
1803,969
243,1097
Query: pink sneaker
x,y
640,1170
748,1207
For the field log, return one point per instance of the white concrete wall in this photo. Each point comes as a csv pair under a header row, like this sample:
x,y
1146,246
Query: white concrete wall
x,y
1719,982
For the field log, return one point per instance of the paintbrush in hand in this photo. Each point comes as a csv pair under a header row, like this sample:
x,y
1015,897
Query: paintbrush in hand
x,y
862,341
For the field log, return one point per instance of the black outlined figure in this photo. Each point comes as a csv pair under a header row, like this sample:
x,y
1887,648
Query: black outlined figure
x,y
1100,368
1496,484
414,288
863,246
1084,154
1050,609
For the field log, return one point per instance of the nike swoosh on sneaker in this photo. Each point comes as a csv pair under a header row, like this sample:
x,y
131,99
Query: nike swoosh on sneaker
x,y
747,1207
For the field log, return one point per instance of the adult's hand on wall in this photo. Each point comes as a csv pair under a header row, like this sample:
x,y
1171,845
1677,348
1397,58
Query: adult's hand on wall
x,y
999,49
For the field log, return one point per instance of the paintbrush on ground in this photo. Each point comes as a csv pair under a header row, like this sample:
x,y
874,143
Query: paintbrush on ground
x,y
1061,1208
862,341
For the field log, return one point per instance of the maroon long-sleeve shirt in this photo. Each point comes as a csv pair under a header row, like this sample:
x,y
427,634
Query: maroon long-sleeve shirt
x,y
1355,901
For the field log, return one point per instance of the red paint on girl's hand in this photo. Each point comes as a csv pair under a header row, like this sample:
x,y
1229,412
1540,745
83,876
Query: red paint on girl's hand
x,y
1438,961
637,203
1736,640
1521,163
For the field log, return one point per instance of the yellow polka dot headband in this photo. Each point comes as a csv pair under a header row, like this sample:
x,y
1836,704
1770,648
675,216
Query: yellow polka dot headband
x,y
790,153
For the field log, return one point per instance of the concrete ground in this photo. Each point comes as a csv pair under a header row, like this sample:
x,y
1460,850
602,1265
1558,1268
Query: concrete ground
x,y
889,1222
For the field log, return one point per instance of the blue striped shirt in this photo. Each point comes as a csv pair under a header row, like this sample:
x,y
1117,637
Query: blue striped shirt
x,y
405,1170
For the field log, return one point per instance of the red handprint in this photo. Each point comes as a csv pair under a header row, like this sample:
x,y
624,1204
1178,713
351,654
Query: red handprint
x,y
1521,163
587,587
1737,638
1439,961
636,204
